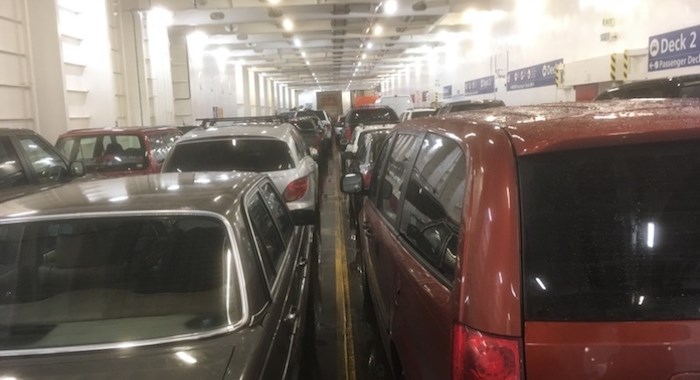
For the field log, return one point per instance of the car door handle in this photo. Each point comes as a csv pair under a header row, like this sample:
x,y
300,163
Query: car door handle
x,y
292,315
302,262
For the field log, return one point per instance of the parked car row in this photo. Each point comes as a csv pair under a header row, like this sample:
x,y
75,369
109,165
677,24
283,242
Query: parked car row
x,y
531,242
204,270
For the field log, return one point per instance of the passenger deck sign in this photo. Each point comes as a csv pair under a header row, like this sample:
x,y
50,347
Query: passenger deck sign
x,y
544,74
673,50
485,85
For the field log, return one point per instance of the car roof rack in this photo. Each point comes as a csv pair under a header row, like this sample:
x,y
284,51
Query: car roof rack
x,y
251,120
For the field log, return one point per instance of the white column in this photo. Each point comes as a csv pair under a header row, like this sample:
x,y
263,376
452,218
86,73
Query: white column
x,y
47,63
135,69
159,53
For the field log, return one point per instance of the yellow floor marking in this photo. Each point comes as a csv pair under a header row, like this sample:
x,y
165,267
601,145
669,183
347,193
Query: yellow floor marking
x,y
346,345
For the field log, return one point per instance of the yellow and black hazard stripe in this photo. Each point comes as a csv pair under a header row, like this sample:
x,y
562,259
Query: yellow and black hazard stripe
x,y
625,65
613,67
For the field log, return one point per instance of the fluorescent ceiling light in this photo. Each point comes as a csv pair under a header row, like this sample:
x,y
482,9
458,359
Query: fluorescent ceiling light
x,y
303,54
378,29
287,24
297,42
273,2
364,55
370,45
390,7
161,16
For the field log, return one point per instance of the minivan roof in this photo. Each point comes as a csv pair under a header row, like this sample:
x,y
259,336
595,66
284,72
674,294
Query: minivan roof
x,y
561,126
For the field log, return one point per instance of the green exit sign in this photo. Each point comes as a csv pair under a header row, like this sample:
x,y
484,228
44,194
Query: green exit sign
x,y
610,21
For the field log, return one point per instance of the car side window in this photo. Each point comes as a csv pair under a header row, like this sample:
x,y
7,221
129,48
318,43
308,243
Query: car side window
x,y
11,172
362,150
379,167
299,145
433,204
279,211
267,237
391,181
47,164
161,145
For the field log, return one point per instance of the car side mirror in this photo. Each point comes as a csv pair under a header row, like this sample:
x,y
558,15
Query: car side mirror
x,y
313,152
77,169
347,155
351,183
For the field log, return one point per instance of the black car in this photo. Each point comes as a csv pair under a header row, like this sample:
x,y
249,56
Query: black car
x,y
313,133
369,115
30,163
469,105
687,86
165,276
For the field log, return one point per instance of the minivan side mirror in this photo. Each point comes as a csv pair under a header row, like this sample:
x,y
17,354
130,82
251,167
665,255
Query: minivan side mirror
x,y
77,169
351,183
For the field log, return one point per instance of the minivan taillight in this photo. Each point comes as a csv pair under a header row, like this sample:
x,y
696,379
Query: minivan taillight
x,y
479,356
296,189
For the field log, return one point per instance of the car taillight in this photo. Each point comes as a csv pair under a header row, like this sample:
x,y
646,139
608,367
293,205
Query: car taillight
x,y
296,189
478,356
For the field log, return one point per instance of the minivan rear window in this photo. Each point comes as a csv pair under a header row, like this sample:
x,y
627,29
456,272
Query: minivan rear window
x,y
244,154
612,234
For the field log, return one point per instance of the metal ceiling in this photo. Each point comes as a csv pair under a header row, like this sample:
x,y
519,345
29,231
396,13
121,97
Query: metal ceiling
x,y
334,36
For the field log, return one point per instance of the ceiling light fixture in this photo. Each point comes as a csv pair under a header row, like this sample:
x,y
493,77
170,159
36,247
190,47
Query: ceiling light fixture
x,y
273,2
364,55
359,63
419,6
297,42
370,45
162,16
378,29
287,24
390,7
303,54
307,62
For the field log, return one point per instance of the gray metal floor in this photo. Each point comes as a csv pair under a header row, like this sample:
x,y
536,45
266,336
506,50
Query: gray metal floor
x,y
345,344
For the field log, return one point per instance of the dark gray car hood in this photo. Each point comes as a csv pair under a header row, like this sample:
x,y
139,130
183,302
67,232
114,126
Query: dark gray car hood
x,y
205,359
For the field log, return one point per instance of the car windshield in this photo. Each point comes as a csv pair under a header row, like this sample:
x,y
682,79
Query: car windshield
x,y
105,152
227,154
373,116
611,234
73,281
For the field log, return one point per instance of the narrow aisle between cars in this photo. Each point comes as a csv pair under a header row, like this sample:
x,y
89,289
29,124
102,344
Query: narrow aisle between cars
x,y
345,344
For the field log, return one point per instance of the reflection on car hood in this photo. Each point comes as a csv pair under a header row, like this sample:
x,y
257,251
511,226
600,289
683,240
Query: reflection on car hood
x,y
194,360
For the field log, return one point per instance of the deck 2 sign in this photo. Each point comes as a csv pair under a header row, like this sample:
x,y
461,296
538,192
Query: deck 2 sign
x,y
672,50
544,74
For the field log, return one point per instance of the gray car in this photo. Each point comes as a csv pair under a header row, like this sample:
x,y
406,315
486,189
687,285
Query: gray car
x,y
273,148
168,276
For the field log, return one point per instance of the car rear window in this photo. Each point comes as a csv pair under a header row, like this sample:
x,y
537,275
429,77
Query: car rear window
x,y
474,106
244,154
418,114
373,116
106,280
612,234
105,152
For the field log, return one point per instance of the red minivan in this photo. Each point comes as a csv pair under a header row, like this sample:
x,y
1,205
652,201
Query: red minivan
x,y
547,242
119,151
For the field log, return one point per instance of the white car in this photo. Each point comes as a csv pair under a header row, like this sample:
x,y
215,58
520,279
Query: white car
x,y
275,149
416,113
353,145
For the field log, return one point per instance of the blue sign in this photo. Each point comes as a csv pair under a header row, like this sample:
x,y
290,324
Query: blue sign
x,y
485,85
447,92
544,74
676,49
